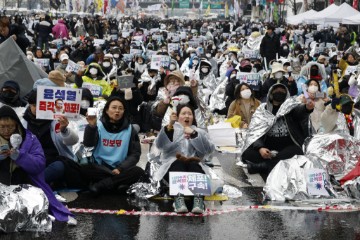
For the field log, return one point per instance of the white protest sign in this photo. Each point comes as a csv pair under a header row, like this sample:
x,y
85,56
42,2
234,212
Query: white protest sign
x,y
253,79
57,41
222,134
319,50
96,90
114,36
125,81
138,38
183,35
99,42
189,184
135,52
72,67
158,61
351,69
128,57
53,102
252,54
69,42
173,47
42,62
125,34
53,52
149,53
225,35
316,181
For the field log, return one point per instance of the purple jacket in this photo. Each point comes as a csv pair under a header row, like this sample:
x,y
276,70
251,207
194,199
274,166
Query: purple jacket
x,y
32,160
60,30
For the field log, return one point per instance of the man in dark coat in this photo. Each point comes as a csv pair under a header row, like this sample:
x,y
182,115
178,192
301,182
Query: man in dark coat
x,y
14,31
270,45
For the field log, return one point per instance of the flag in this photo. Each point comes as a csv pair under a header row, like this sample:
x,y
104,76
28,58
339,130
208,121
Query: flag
x,y
113,3
355,4
331,1
236,8
55,4
208,10
121,6
106,3
226,10
276,13
172,6
99,4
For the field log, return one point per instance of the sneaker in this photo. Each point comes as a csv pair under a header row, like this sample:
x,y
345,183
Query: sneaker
x,y
198,205
179,204
72,221
60,198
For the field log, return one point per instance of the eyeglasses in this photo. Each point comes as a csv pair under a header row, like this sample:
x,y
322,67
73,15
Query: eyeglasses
x,y
8,128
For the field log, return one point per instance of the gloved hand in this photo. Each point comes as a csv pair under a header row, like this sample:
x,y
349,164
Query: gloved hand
x,y
335,101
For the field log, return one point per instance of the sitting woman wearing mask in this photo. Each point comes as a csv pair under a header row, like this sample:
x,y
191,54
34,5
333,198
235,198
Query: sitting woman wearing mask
x,y
94,79
277,76
117,149
314,93
25,163
183,148
244,104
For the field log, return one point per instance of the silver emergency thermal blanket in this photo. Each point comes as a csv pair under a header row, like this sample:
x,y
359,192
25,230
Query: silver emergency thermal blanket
x,y
287,181
217,99
352,188
356,122
23,208
338,153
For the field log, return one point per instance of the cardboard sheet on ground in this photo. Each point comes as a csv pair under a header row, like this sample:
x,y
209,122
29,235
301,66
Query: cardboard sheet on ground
x,y
125,81
189,184
15,65
222,134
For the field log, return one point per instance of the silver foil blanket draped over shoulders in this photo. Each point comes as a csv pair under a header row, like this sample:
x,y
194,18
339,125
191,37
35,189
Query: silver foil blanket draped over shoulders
x,y
23,208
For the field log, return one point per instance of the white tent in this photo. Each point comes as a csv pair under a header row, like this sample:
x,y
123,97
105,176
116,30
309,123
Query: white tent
x,y
344,10
319,17
299,18
353,20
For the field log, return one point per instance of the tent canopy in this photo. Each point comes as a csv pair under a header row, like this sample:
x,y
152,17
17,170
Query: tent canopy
x,y
319,17
299,18
353,20
344,10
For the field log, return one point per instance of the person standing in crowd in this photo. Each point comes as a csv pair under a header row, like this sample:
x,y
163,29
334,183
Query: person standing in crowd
x,y
112,169
8,30
270,45
60,30
43,30
344,38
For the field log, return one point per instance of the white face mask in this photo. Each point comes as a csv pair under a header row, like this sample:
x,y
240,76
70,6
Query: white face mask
x,y
116,55
184,99
140,62
278,75
232,75
106,64
313,89
204,70
172,67
208,55
93,71
85,104
246,94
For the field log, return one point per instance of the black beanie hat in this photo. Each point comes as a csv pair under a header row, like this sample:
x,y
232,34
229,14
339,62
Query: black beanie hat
x,y
32,97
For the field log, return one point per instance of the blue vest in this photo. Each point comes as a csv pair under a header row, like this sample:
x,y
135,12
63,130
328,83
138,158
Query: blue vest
x,y
112,148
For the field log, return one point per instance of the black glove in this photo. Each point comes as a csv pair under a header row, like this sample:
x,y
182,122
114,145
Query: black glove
x,y
335,101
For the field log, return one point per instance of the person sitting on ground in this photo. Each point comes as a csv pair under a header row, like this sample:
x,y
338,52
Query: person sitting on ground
x,y
116,149
10,94
281,140
25,164
184,147
244,104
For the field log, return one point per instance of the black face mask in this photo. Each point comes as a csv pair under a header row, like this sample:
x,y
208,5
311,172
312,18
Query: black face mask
x,y
8,96
257,66
279,96
313,72
346,109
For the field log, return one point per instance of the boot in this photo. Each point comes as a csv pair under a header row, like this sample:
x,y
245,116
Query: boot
x,y
179,204
97,188
257,167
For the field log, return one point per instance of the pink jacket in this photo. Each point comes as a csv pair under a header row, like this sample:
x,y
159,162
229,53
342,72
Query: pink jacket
x,y
60,30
